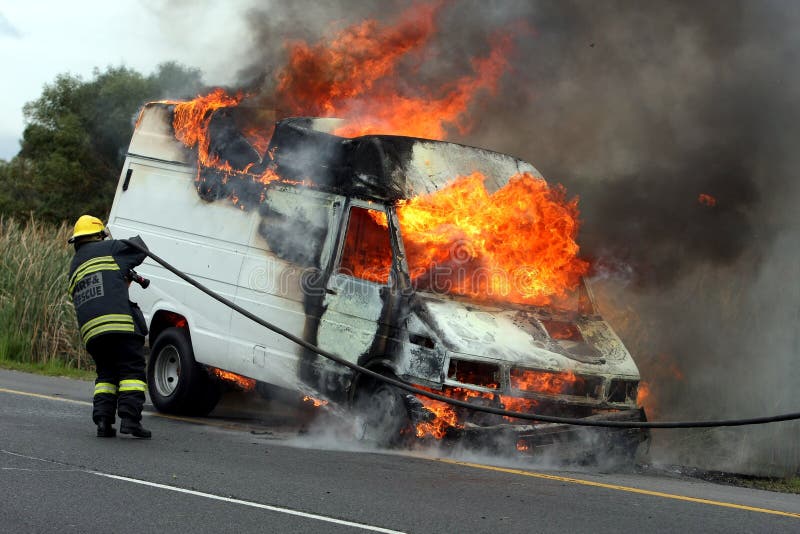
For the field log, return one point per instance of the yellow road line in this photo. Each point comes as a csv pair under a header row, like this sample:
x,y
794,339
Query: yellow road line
x,y
618,488
205,422
40,396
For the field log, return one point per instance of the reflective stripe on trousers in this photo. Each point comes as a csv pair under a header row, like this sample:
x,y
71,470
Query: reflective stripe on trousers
x,y
132,385
105,388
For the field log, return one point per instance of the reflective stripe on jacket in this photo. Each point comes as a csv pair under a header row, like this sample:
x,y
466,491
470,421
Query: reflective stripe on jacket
x,y
99,289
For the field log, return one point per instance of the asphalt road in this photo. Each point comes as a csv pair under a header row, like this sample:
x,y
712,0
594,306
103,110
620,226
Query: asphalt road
x,y
236,472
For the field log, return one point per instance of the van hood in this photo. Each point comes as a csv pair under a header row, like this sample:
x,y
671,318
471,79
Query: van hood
x,y
534,337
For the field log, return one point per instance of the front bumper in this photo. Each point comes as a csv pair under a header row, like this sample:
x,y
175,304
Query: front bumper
x,y
571,443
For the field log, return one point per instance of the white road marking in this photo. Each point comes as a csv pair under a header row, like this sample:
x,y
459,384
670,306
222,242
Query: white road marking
x,y
42,470
31,457
288,511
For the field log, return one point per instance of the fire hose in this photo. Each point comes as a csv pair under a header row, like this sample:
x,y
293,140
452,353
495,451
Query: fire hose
x,y
455,402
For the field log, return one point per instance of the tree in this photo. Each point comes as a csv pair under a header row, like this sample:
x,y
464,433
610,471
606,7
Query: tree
x,y
77,133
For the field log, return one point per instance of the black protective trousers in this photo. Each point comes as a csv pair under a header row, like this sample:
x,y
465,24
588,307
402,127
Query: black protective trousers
x,y
120,383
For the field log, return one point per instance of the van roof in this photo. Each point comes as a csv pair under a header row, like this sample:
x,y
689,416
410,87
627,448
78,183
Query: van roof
x,y
383,168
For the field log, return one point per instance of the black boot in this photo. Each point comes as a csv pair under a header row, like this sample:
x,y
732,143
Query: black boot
x,y
135,428
104,428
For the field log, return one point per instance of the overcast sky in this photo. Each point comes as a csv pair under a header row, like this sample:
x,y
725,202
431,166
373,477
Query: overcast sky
x,y
42,38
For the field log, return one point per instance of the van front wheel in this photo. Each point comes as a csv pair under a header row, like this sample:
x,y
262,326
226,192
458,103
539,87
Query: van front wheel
x,y
176,382
383,415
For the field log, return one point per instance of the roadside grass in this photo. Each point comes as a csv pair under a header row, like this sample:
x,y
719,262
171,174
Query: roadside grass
x,y
52,368
783,485
38,330
787,484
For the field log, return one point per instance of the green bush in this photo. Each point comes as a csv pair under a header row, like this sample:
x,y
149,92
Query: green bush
x,y
37,320
76,137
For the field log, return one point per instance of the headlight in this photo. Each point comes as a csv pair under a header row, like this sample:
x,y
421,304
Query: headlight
x,y
623,390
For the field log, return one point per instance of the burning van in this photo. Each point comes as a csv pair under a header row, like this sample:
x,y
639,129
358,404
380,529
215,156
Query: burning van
x,y
375,248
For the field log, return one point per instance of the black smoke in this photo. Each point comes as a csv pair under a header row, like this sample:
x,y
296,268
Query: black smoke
x,y
639,108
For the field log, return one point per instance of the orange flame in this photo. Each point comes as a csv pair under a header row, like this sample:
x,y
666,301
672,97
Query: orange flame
x,y
315,402
425,116
447,416
643,393
543,381
528,380
356,76
256,136
191,121
319,77
517,244
367,253
241,382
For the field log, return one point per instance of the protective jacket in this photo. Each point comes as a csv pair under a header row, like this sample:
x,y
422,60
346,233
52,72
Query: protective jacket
x,y
99,289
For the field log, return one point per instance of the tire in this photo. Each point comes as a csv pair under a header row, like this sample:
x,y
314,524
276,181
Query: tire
x,y
176,382
383,414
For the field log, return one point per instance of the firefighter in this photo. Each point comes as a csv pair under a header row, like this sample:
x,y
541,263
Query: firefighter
x,y
112,327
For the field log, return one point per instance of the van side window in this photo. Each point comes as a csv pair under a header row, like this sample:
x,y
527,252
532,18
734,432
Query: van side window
x,y
367,252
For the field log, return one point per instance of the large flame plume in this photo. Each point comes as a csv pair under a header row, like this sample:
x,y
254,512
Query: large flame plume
x,y
356,76
516,244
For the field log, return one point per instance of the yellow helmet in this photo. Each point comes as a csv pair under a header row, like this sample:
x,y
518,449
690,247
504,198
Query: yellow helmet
x,y
87,225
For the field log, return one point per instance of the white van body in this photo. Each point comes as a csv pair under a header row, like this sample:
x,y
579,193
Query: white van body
x,y
258,259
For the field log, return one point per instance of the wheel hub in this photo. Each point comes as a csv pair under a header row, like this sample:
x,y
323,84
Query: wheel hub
x,y
167,370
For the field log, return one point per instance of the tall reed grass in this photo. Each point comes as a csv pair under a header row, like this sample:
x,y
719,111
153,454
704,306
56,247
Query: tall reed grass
x,y
37,320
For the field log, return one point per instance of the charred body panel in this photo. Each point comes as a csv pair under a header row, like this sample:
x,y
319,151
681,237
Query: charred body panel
x,y
445,333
